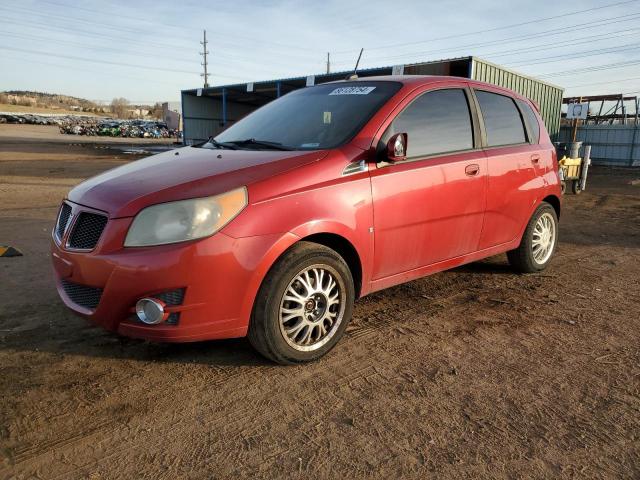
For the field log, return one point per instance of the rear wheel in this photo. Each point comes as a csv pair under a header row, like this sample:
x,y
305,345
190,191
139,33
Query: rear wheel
x,y
303,306
538,242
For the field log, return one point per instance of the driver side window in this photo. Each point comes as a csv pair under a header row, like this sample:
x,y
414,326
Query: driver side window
x,y
436,122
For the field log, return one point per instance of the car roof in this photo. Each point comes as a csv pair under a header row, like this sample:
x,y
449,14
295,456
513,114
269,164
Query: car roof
x,y
419,80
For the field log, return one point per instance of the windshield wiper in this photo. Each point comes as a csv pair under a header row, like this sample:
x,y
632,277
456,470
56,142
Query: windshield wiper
x,y
261,143
220,145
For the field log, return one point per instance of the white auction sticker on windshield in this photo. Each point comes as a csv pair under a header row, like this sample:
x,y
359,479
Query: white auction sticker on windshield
x,y
352,91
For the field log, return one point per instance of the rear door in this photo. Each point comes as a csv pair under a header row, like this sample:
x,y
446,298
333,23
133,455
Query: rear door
x,y
511,158
430,207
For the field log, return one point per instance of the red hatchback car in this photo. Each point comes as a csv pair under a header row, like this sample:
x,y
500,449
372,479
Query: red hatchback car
x,y
274,227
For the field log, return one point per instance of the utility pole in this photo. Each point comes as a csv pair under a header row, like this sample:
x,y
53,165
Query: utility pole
x,y
204,53
328,64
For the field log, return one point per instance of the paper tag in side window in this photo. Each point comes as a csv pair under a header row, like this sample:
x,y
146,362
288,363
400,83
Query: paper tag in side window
x,y
352,91
327,117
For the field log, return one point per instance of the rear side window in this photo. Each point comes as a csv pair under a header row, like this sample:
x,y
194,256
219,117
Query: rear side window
x,y
502,120
436,122
531,120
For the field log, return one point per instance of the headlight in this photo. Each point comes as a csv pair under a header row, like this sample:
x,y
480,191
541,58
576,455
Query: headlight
x,y
185,220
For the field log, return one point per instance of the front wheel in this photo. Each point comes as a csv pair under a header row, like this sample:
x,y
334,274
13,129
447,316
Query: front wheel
x,y
303,306
538,242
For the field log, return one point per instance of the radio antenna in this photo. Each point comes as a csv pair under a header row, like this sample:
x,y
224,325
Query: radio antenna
x,y
354,75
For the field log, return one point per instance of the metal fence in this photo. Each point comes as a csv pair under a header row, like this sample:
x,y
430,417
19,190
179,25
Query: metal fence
x,y
610,144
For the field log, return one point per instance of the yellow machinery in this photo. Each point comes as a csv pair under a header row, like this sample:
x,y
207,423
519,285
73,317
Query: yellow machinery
x,y
575,170
570,169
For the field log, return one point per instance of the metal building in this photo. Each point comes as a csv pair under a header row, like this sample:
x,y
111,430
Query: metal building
x,y
208,111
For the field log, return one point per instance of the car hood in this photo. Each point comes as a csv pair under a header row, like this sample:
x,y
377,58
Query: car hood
x,y
183,173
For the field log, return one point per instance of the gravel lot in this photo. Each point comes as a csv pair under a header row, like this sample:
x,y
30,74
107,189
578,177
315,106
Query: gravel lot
x,y
475,372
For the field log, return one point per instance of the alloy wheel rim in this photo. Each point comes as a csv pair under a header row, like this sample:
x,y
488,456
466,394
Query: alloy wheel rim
x,y
544,238
312,308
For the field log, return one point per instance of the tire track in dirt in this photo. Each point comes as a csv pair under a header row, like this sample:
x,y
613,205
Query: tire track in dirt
x,y
33,451
245,422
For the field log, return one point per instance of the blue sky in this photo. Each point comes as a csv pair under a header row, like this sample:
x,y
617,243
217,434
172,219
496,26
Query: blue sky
x,y
147,50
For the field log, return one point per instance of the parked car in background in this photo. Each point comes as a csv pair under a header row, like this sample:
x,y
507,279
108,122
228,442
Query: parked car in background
x,y
276,226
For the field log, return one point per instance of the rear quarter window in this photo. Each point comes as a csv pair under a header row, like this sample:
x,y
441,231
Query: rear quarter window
x,y
502,120
531,120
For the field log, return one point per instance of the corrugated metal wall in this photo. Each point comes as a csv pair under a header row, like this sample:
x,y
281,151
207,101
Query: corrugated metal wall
x,y
548,97
610,144
203,116
199,120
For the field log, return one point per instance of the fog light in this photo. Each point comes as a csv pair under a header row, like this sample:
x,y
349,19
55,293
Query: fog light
x,y
151,311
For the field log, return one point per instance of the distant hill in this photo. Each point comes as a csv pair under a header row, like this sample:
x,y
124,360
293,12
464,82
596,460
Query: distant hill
x,y
50,101
25,101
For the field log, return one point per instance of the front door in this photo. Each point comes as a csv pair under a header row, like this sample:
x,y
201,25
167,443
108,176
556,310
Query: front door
x,y
430,207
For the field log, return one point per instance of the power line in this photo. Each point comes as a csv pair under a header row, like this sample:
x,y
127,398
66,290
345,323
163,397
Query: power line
x,y
181,27
504,27
233,61
132,41
76,31
111,36
102,73
106,62
546,33
119,51
579,41
603,83
593,68
586,53
67,18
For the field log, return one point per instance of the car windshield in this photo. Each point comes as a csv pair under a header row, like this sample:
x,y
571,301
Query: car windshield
x,y
321,117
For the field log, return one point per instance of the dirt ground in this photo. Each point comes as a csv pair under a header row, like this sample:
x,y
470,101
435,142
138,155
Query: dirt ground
x,y
472,373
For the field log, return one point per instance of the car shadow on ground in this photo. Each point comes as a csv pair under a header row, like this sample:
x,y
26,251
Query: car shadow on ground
x,y
230,352
53,329
490,266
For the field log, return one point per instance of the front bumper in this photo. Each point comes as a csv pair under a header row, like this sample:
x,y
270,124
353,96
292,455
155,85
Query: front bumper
x,y
220,276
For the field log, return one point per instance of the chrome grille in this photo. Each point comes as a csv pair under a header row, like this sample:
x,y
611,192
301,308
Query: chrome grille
x,y
63,219
88,297
87,230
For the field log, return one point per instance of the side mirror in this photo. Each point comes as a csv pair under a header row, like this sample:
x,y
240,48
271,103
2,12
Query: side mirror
x,y
397,147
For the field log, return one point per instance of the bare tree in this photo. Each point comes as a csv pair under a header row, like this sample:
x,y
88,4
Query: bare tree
x,y
119,107
156,111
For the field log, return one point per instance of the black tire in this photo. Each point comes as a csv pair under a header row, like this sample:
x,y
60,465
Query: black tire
x,y
265,332
575,187
522,258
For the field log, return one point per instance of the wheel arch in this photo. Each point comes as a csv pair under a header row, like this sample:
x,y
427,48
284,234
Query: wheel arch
x,y
343,247
554,201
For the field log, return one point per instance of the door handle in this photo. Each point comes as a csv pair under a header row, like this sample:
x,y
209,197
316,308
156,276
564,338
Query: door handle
x,y
472,170
535,158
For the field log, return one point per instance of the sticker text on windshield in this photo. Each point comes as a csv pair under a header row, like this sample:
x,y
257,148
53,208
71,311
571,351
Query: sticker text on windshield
x,y
352,91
